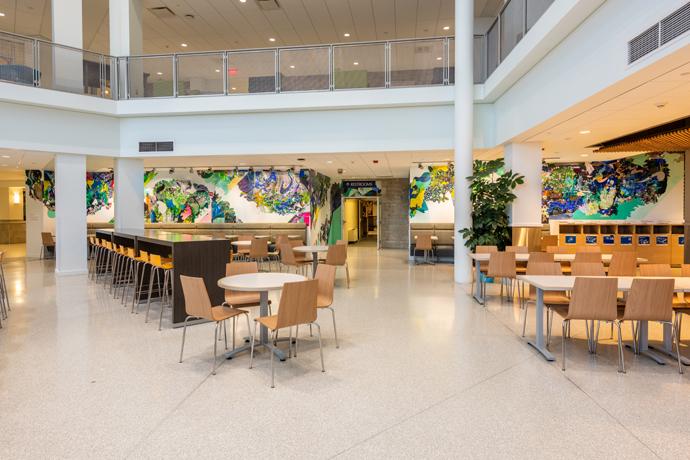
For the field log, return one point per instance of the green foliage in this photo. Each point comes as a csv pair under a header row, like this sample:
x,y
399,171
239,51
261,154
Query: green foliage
x,y
491,191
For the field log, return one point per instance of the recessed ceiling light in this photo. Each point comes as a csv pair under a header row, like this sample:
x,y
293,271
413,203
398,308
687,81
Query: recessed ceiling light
x,y
329,162
446,27
346,34
271,39
5,156
233,89
584,155
159,73
292,66
439,58
217,70
355,63
183,45
585,131
2,15
243,1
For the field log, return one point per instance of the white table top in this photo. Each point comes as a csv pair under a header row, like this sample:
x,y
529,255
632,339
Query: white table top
x,y
433,237
566,283
241,243
307,249
524,257
262,236
294,237
253,282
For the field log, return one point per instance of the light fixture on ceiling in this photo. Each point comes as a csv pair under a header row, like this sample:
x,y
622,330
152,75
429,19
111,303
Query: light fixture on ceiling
x,y
446,27
217,70
330,162
271,39
15,197
184,45
2,15
233,89
584,155
292,66
5,156
243,1
439,58
159,73
346,35
355,63
585,131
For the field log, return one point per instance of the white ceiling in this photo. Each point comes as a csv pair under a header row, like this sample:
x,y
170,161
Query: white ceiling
x,y
229,24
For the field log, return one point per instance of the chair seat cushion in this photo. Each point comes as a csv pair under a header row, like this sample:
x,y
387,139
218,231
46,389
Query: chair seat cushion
x,y
323,301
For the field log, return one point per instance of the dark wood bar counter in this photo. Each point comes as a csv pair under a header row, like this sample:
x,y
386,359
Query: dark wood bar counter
x,y
192,255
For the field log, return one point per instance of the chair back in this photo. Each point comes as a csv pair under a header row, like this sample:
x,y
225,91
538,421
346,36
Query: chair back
x,y
238,268
623,264
287,255
587,269
517,249
502,264
336,255
258,248
244,237
589,249
542,269
281,239
155,259
144,255
423,242
685,270
295,243
47,239
540,257
650,300
485,249
325,275
196,300
587,257
298,303
656,270
594,299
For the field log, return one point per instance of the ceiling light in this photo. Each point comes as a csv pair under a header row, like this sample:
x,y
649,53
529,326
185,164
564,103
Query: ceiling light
x,y
183,45
243,1
355,63
446,27
159,73
346,34
271,39
439,58
6,156
292,66
2,15
217,70
233,89
584,155
585,131
330,162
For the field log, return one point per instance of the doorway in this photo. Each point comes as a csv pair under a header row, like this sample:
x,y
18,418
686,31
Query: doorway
x,y
361,221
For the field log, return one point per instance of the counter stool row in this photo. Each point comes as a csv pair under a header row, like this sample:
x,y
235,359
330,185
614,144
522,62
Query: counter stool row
x,y
123,271
4,297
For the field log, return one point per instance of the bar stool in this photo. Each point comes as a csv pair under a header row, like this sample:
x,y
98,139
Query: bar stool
x,y
4,297
142,261
158,265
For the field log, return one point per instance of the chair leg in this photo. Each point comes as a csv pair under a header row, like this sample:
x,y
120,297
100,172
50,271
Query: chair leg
x,y
524,319
184,334
215,347
674,337
335,329
234,330
621,357
148,301
273,370
347,275
251,353
318,331
563,347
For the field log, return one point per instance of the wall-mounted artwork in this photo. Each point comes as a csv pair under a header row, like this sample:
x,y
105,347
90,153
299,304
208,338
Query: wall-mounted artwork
x,y
432,193
641,187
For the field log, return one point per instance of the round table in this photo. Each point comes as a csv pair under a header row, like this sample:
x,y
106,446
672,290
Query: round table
x,y
262,236
314,251
261,283
241,243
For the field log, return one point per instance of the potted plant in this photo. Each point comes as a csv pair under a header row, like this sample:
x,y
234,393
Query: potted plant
x,y
491,192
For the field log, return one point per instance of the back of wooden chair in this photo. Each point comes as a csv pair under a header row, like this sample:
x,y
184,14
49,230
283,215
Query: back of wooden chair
x,y
594,299
336,255
517,249
298,303
587,269
542,269
280,239
241,268
587,257
47,239
325,275
196,300
258,248
502,265
244,237
423,242
623,264
663,270
485,249
287,255
540,257
589,249
650,300
685,270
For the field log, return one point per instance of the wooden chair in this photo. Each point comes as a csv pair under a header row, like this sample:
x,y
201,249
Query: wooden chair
x,y
501,265
288,259
297,306
198,306
241,299
517,249
258,251
243,251
423,243
556,250
658,270
540,258
650,300
623,264
337,257
587,269
47,243
325,275
587,257
551,299
590,249
593,299
483,266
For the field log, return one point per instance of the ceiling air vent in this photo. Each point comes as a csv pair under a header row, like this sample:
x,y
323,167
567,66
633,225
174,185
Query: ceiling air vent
x,y
145,147
162,12
675,24
268,5
643,44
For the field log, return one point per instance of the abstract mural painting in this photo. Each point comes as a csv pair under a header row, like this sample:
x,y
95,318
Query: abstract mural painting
x,y
34,183
628,188
49,192
432,193
99,191
176,201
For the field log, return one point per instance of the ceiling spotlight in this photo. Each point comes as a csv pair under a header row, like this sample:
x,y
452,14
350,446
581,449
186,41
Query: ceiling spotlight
x,y
446,27
439,58
217,70
159,73
243,1
355,63
346,35
5,156
233,89
183,45
2,15
585,131
584,155
172,171
271,39
292,66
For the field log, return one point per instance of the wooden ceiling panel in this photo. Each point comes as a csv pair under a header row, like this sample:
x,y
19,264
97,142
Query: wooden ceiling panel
x,y
343,20
298,16
384,17
320,16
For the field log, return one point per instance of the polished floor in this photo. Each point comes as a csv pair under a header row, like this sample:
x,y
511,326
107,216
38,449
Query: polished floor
x,y
422,372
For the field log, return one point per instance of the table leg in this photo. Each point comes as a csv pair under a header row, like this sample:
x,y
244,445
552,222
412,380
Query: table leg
x,y
644,348
667,348
477,285
538,343
314,263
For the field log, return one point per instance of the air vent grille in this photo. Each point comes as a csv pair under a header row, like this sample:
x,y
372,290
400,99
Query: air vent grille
x,y
268,5
162,12
675,24
643,44
166,146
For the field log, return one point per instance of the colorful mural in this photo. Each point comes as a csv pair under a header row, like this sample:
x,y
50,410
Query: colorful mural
x,y
629,188
177,201
34,184
431,193
49,192
99,191
335,225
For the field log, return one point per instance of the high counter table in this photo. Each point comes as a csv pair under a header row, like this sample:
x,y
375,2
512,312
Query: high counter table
x,y
201,256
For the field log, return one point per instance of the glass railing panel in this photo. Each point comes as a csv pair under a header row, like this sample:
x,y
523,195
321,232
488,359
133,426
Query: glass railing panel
x,y
150,76
479,59
65,69
16,59
451,61
304,69
252,72
109,80
534,10
416,63
492,48
94,74
359,66
199,74
512,26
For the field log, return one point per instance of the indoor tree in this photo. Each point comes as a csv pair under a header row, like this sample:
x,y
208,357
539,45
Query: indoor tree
x,y
491,192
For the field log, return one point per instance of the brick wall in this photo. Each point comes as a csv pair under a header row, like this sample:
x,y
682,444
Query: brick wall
x,y
394,209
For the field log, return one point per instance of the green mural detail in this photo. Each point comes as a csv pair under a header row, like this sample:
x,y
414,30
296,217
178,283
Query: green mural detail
x,y
183,201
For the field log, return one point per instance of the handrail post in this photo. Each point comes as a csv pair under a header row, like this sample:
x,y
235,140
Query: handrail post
x,y
277,75
174,75
387,65
36,64
331,70
446,61
225,73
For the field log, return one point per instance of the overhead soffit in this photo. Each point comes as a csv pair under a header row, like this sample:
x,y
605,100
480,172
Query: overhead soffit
x,y
674,136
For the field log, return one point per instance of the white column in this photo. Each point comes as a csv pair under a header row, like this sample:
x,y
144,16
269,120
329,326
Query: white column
x,y
68,67
34,226
464,108
127,38
129,194
70,214
525,159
